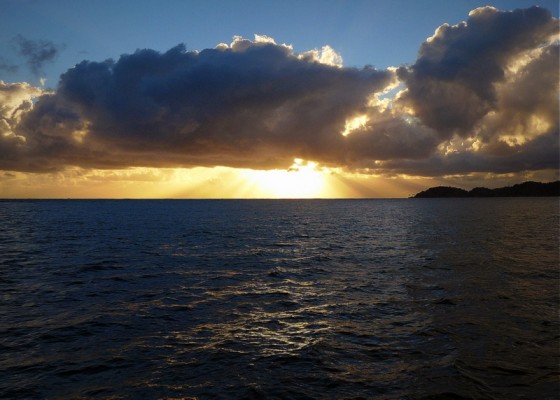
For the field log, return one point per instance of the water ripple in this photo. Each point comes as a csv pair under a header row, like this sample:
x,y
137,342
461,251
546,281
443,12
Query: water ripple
x,y
374,299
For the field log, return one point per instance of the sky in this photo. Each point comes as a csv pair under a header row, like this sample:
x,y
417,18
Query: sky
x,y
243,99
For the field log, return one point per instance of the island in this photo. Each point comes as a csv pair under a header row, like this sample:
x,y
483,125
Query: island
x,y
525,189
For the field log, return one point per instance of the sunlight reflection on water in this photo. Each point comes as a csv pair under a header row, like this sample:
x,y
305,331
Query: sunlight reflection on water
x,y
279,299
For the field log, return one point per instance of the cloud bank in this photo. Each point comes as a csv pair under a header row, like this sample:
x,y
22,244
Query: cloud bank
x,y
481,97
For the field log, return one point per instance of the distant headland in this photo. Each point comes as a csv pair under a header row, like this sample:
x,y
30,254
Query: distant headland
x,y
525,189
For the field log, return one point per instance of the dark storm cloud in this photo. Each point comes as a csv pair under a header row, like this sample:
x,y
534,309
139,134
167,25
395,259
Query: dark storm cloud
x,y
36,52
541,153
252,105
520,134
481,97
451,86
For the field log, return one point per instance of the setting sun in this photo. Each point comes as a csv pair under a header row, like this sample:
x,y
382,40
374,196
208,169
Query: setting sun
x,y
279,199
301,180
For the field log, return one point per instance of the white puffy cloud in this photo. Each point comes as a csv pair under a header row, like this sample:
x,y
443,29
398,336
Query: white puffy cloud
x,y
15,100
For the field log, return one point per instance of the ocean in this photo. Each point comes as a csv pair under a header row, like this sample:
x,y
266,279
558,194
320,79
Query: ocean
x,y
280,299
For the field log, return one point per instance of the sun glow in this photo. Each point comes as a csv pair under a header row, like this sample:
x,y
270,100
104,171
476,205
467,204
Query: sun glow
x,y
302,180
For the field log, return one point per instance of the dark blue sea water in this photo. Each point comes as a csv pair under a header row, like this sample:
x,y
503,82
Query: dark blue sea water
x,y
303,299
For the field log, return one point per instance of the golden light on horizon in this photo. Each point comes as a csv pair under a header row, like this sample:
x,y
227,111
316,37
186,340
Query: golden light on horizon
x,y
302,180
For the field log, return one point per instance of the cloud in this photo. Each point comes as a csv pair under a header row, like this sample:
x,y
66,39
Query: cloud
x,y
452,84
326,55
37,52
537,155
489,88
480,98
15,100
251,104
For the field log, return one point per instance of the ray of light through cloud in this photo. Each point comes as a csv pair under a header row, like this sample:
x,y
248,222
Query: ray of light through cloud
x,y
264,117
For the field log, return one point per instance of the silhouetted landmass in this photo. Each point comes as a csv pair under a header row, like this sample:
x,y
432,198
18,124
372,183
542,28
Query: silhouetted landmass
x,y
525,189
